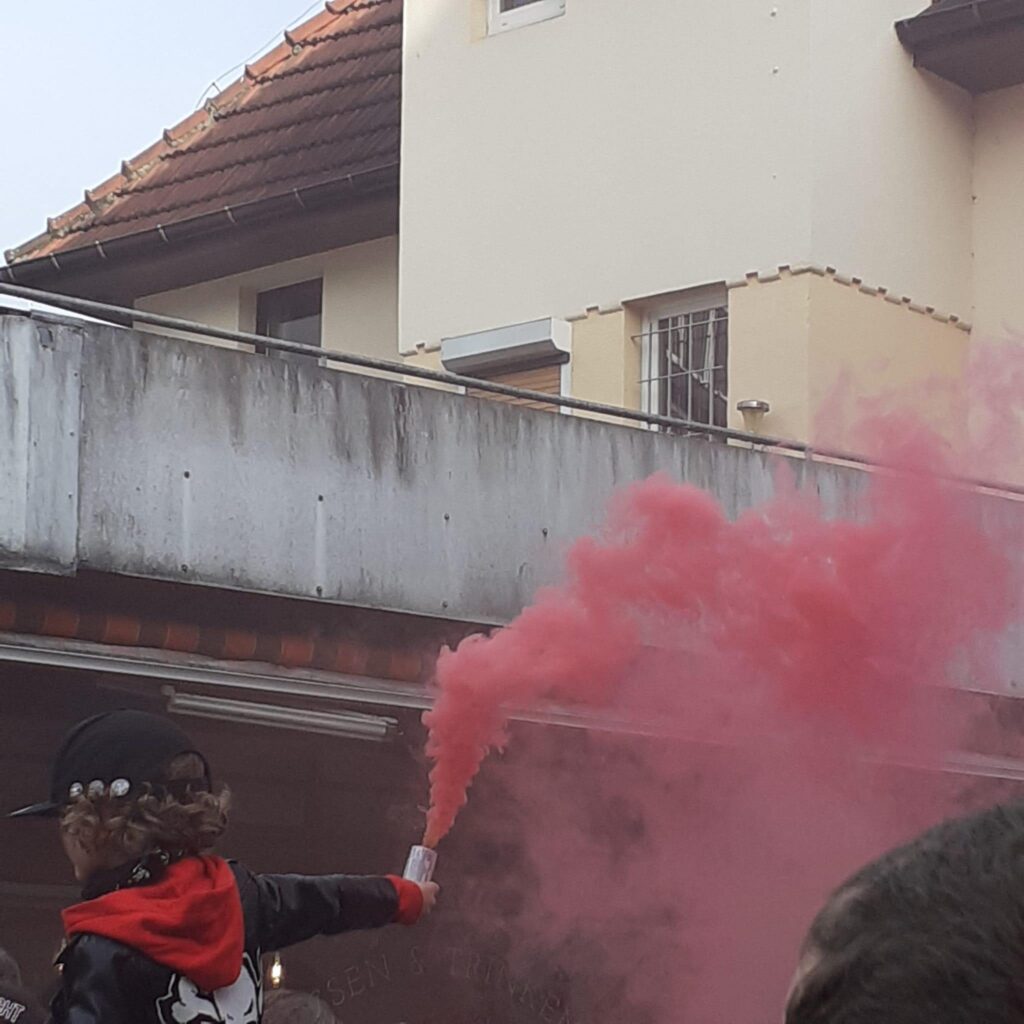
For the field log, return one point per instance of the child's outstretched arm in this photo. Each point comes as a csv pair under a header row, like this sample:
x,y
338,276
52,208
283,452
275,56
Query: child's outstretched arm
x,y
293,908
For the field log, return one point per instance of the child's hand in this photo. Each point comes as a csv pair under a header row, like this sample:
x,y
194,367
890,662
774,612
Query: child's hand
x,y
430,891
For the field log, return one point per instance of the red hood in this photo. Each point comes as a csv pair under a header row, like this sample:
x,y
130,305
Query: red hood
x,y
189,921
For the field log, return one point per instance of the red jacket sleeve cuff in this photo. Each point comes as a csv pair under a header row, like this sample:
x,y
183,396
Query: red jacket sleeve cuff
x,y
410,900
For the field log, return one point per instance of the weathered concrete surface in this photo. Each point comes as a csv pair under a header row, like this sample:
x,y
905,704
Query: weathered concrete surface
x,y
39,444
211,465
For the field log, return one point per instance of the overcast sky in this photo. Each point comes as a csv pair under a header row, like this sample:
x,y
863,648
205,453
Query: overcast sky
x,y
87,83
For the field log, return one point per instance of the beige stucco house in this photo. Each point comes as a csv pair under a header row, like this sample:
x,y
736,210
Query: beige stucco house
x,y
691,209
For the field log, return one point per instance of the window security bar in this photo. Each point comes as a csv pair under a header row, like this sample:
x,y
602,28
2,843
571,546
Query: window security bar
x,y
685,366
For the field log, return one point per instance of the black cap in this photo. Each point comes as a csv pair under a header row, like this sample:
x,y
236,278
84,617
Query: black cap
x,y
118,753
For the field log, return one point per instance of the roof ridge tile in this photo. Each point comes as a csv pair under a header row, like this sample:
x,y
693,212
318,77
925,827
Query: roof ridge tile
x,y
356,30
355,5
302,33
271,59
230,96
306,67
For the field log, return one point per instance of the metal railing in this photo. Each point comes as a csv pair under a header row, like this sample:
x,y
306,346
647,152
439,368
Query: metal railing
x,y
123,316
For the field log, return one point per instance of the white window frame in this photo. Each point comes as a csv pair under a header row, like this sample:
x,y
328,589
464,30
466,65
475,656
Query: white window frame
x,y
695,300
539,10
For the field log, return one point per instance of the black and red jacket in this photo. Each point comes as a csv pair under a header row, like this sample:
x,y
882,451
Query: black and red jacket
x,y
186,948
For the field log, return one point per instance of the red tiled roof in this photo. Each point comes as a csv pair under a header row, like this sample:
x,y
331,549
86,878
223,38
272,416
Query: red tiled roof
x,y
323,106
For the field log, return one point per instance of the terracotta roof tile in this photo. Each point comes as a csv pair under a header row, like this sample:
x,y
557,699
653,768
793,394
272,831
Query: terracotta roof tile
x,y
317,25
322,106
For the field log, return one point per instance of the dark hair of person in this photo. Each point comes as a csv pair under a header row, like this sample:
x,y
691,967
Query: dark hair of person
x,y
930,933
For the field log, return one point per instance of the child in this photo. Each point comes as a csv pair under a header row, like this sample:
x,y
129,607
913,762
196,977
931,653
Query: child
x,y
167,933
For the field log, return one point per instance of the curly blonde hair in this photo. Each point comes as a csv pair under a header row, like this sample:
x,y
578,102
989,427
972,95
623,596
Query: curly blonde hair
x,y
120,829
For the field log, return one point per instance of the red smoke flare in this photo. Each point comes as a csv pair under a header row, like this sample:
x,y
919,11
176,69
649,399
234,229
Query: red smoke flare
x,y
786,619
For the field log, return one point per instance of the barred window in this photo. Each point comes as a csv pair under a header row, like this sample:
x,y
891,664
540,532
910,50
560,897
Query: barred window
x,y
686,365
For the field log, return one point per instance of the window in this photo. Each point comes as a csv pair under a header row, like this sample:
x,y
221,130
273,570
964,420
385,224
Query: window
x,y
685,354
507,14
292,313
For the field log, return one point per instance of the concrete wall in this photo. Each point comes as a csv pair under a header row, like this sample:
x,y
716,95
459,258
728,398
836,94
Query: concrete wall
x,y
360,298
194,463
999,214
40,388
626,150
